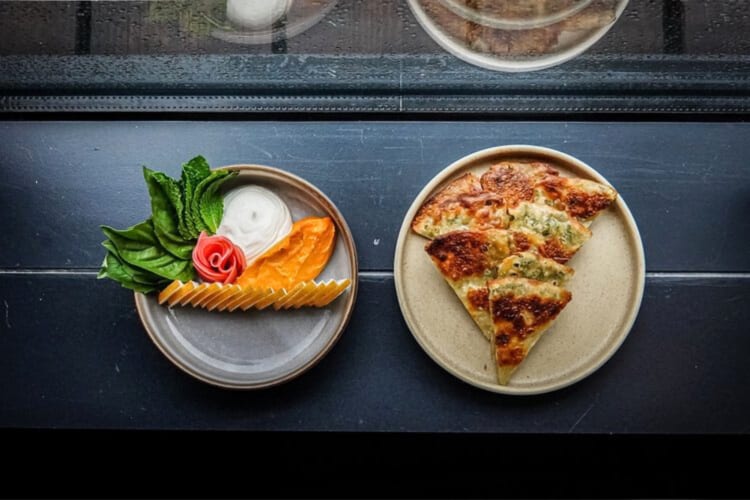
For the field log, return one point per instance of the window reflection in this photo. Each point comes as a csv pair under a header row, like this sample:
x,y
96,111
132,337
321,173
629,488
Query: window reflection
x,y
518,35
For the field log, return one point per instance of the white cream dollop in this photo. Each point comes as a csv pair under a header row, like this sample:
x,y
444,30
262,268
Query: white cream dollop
x,y
254,219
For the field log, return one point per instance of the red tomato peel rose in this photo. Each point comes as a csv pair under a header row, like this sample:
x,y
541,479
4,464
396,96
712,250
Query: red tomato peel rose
x,y
216,259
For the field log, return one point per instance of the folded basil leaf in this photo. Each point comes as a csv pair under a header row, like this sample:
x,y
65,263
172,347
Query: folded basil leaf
x,y
166,210
212,203
193,172
139,247
196,201
114,268
174,244
135,274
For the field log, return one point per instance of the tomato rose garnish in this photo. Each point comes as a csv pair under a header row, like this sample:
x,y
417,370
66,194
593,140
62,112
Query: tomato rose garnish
x,y
216,259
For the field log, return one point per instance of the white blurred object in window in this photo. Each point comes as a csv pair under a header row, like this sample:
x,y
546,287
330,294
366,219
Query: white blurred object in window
x,y
257,14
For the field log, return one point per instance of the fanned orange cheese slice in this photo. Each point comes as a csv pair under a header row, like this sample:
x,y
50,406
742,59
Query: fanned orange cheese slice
x,y
311,288
205,294
190,296
271,297
248,294
171,288
294,292
182,292
328,297
224,294
219,297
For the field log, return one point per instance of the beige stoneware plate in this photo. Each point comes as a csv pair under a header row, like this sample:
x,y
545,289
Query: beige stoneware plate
x,y
607,290
254,349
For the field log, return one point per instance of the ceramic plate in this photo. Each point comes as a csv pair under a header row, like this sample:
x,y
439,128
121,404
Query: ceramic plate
x,y
570,42
253,349
607,289
486,18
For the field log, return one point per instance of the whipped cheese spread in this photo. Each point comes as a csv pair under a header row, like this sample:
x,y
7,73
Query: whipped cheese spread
x,y
254,219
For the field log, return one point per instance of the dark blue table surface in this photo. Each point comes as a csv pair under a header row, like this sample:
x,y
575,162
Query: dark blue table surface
x,y
74,355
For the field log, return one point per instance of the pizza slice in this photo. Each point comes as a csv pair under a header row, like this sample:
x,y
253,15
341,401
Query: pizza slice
x,y
518,181
522,309
462,204
532,266
514,180
582,198
468,259
552,233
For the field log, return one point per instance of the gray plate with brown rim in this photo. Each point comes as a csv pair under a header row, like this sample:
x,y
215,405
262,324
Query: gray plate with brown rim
x,y
255,349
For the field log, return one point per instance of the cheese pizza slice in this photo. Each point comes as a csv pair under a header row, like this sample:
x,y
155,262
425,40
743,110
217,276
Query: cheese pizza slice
x,y
532,266
518,181
553,233
521,309
468,259
582,198
462,204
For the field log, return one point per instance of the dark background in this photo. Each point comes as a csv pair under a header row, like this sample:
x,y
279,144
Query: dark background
x,y
89,407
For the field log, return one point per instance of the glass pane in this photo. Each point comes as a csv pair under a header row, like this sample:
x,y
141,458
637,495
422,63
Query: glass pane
x,y
377,55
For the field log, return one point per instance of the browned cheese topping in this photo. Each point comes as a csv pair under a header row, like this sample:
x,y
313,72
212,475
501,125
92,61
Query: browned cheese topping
x,y
521,242
460,254
553,249
479,298
461,203
515,181
466,185
517,317
576,201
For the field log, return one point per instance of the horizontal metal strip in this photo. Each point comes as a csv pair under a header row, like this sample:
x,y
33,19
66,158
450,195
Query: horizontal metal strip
x,y
709,102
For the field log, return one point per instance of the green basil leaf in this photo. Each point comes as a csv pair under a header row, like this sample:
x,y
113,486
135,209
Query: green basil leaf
x,y
212,203
134,273
114,268
166,210
195,204
139,247
193,172
174,244
103,269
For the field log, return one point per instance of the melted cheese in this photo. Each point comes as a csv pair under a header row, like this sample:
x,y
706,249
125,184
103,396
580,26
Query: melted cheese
x,y
469,259
522,310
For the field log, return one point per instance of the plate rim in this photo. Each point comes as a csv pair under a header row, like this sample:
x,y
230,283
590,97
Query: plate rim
x,y
513,150
492,22
509,66
140,299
